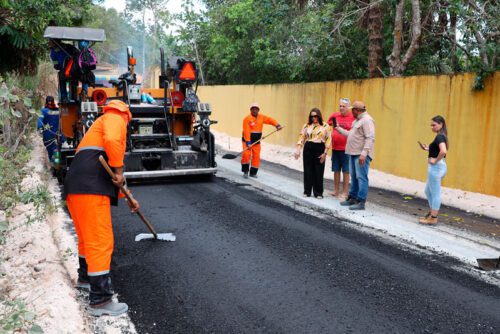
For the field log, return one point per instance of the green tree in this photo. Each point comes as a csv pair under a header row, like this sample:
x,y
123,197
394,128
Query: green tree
x,y
22,26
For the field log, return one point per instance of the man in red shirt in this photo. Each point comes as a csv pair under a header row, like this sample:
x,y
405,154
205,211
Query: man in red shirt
x,y
340,161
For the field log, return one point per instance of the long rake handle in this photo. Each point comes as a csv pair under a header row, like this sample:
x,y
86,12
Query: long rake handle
x,y
125,192
258,141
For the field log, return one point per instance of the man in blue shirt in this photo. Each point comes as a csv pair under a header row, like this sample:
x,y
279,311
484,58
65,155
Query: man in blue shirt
x,y
48,122
59,53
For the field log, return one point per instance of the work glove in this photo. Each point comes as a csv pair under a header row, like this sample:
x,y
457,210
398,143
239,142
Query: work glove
x,y
249,143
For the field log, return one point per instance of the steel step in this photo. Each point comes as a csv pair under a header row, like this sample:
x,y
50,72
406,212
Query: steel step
x,y
147,120
170,172
153,135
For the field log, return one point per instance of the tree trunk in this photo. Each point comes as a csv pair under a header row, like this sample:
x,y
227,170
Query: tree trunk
x,y
397,64
200,64
453,29
375,39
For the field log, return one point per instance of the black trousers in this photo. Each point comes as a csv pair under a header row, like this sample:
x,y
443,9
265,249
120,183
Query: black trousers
x,y
313,169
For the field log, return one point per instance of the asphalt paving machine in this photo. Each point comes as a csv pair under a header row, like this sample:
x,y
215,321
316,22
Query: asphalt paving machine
x,y
169,134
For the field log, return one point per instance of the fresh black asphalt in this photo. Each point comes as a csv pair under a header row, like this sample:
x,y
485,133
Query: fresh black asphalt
x,y
244,263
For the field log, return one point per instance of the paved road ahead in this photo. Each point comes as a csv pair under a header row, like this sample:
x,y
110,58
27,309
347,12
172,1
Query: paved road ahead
x,y
243,263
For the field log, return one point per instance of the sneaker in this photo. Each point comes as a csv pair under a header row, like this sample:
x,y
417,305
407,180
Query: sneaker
x,y
349,201
245,175
319,197
253,175
357,206
110,308
306,195
430,220
82,285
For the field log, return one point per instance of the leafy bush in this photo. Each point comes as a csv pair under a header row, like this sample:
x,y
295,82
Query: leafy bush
x,y
42,201
16,116
15,318
11,171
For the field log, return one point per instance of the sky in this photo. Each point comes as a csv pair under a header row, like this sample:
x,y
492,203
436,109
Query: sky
x,y
174,6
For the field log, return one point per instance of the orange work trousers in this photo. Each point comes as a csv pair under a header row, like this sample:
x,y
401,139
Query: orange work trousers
x,y
91,216
253,153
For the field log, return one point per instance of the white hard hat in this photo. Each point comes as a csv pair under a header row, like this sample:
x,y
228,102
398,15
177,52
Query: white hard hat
x,y
254,105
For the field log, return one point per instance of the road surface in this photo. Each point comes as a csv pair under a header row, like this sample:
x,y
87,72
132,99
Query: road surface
x,y
244,262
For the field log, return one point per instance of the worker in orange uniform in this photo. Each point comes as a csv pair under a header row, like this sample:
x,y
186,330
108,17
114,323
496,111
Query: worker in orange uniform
x,y
252,132
89,192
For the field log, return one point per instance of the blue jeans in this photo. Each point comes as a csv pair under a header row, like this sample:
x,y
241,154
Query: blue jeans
x,y
359,178
435,174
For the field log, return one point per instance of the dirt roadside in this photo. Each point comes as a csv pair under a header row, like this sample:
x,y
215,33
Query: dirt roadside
x,y
38,261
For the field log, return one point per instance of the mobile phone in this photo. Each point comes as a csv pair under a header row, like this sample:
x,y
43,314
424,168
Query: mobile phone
x,y
334,122
421,145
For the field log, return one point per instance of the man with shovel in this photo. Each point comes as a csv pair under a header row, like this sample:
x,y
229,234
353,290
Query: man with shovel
x,y
252,134
89,192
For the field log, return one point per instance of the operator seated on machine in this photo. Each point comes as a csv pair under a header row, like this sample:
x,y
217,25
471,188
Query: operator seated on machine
x,y
61,54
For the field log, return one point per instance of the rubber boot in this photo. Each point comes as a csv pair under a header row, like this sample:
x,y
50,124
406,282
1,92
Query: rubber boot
x,y
101,289
101,292
83,281
253,172
245,168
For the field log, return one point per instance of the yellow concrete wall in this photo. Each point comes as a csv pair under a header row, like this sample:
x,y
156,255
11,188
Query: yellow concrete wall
x,y
402,109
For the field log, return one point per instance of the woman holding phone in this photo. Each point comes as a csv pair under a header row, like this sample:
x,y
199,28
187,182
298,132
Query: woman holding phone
x,y
436,169
315,137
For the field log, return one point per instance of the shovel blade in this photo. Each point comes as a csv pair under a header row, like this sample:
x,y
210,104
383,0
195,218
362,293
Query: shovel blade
x,y
489,264
229,156
161,236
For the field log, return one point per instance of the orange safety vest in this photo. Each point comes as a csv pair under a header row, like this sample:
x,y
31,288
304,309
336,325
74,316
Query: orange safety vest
x,y
106,137
252,126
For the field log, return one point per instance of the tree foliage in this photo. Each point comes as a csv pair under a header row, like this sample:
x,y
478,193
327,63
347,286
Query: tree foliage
x,y
273,41
22,23
268,41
